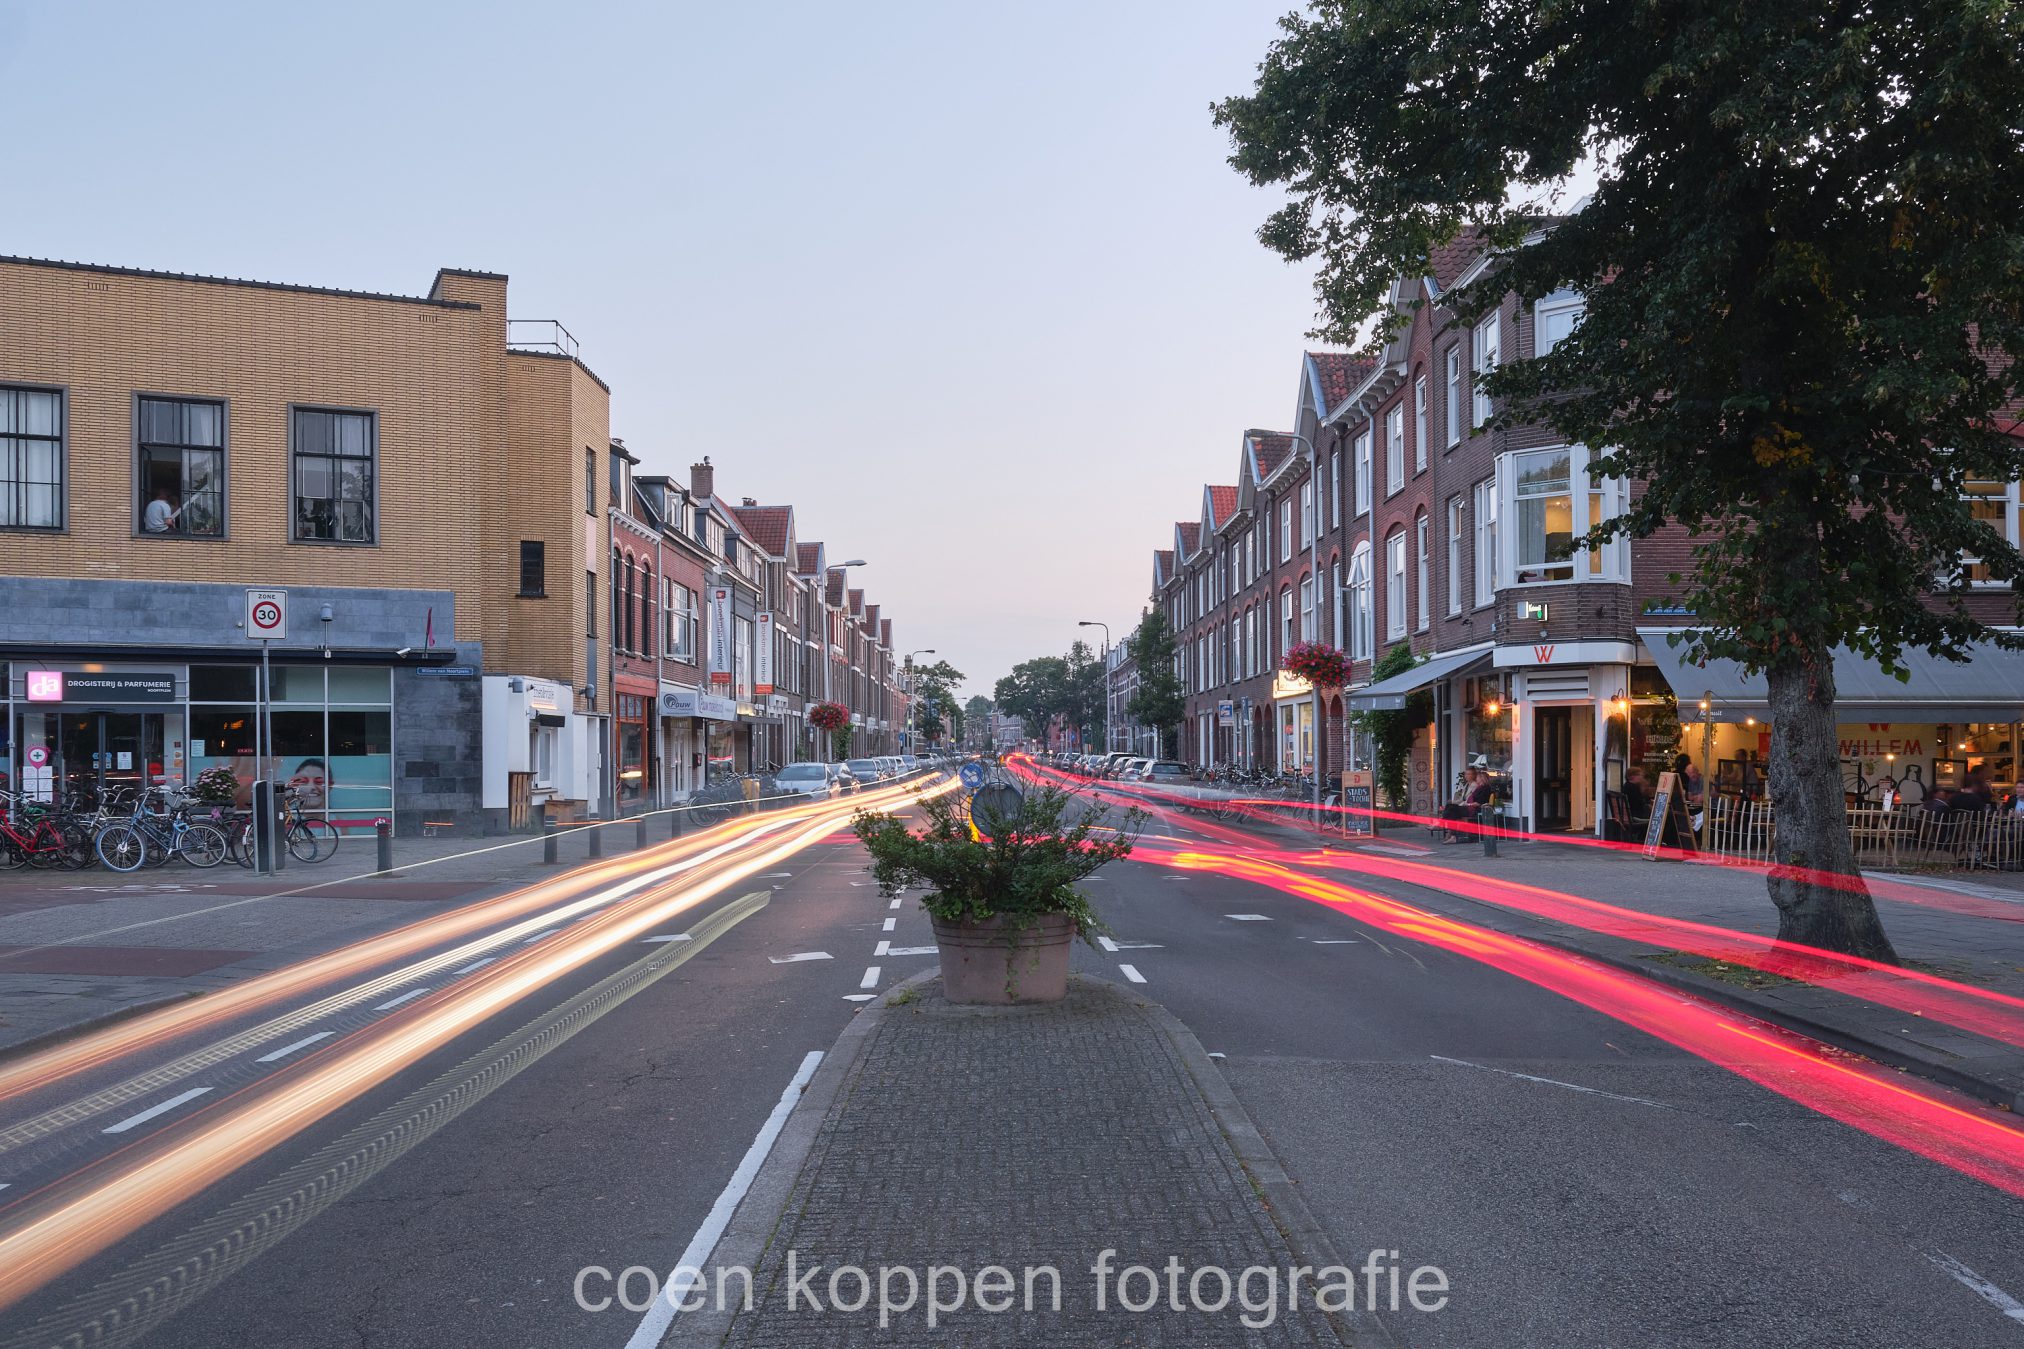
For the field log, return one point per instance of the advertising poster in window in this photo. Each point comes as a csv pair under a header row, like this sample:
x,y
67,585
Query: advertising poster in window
x,y
762,657
720,634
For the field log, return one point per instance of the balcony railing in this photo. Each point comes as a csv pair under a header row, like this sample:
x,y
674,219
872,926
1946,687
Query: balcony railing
x,y
541,335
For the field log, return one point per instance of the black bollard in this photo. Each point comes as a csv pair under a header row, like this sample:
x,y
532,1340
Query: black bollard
x,y
675,822
596,841
548,837
641,842
1490,826
385,834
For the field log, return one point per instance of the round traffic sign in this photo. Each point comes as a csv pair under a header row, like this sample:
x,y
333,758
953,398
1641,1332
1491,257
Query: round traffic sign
x,y
972,775
266,616
38,756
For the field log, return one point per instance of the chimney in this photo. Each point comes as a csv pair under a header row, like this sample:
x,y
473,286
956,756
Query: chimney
x,y
749,502
703,480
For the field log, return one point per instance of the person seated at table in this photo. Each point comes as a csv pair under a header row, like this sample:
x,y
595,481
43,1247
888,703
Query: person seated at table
x,y
1637,794
1974,796
1463,806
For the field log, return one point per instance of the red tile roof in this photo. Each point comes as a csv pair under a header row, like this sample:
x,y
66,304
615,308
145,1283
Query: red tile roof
x,y
1449,260
833,588
1222,505
885,632
766,526
1339,373
1163,558
807,557
1191,534
1270,448
856,598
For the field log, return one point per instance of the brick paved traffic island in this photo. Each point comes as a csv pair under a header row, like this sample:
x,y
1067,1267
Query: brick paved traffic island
x,y
1023,1140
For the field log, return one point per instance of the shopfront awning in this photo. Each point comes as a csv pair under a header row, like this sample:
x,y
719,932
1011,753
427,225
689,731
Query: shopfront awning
x,y
1987,687
1389,695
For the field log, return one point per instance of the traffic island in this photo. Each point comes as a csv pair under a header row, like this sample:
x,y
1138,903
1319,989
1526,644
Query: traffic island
x,y
1066,1173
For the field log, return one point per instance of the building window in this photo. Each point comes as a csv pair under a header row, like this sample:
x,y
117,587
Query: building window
x,y
1454,556
1287,636
617,599
1286,530
1488,341
180,466
618,498
1420,424
590,604
1486,542
1454,408
31,458
1363,472
1307,624
1307,514
646,606
1423,591
1543,518
1395,586
589,481
533,569
1553,318
1395,449
1335,487
1362,617
1995,504
625,607
334,455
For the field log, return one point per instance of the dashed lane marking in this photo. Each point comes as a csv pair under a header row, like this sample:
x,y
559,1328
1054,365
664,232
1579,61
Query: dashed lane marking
x,y
800,956
1131,973
162,1108
303,1043
408,996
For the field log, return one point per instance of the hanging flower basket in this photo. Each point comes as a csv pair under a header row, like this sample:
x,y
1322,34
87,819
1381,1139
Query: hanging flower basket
x,y
1318,663
829,716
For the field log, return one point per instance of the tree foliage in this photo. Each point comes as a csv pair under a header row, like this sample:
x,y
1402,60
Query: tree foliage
x,y
1070,687
935,699
1391,732
1158,701
1803,265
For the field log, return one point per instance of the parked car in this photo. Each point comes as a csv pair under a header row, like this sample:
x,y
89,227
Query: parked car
x,y
909,763
1113,763
816,780
1133,769
868,772
1167,771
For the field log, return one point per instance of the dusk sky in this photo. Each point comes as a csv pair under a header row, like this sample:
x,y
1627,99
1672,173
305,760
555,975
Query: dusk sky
x,y
971,286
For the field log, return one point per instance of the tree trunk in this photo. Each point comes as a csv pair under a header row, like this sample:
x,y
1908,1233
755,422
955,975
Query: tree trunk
x,y
1821,898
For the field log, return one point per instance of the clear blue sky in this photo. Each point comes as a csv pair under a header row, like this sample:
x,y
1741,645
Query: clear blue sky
x,y
970,285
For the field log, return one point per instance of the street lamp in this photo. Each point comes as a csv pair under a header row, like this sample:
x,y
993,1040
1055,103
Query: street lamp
x,y
1092,623
913,684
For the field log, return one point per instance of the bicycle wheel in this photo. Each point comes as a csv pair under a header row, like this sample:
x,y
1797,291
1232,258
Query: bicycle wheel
x,y
311,840
204,845
122,847
77,849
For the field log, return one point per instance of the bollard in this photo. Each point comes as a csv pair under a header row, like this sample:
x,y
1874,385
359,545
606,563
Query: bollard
x,y
641,842
596,841
1491,823
548,837
385,834
263,827
675,822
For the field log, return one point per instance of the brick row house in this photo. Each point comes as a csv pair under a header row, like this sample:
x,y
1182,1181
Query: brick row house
x,y
488,606
1394,514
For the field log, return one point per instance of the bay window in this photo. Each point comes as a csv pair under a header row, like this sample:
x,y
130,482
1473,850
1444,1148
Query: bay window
x,y
1995,504
1552,501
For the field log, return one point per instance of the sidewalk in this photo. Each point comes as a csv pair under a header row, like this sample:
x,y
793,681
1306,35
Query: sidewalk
x,y
1025,1137
77,947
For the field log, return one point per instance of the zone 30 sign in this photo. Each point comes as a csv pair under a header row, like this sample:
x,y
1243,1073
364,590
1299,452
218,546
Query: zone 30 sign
x,y
267,615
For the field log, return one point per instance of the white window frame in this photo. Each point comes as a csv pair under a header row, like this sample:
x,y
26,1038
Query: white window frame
x,y
2013,522
1286,529
1423,584
1307,513
1420,424
1486,565
1335,488
1395,449
1306,609
1454,436
1454,556
1489,351
1592,502
1363,471
1395,586
1549,308
1362,613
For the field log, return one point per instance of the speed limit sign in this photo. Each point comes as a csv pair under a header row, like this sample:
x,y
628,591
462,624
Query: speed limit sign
x,y
267,615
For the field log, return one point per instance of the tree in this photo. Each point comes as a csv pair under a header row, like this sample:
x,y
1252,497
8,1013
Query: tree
x,y
1391,733
1034,692
1802,279
1158,702
935,698
1087,690
976,718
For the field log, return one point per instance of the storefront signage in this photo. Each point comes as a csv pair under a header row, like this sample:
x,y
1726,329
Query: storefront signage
x,y
762,657
1286,685
38,756
777,704
676,701
720,634
77,686
1533,609
448,671
545,695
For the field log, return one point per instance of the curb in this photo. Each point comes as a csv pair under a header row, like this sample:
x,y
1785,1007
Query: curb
x,y
55,1034
758,1215
1283,1203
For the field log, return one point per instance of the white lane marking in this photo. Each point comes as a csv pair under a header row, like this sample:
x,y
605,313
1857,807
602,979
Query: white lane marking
x,y
539,935
1397,849
1977,1285
1215,1053
889,924
661,1314
884,947
1140,946
859,997
1247,917
672,936
477,965
303,1043
1335,941
1552,1082
891,950
4,1184
1131,973
162,1108
1107,944
870,979
408,996
774,875
895,904
799,956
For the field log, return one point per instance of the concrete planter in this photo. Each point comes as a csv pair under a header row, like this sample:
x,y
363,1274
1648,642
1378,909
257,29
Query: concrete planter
x,y
996,964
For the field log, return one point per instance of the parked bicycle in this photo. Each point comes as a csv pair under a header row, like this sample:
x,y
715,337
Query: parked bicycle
x,y
34,834
150,838
307,838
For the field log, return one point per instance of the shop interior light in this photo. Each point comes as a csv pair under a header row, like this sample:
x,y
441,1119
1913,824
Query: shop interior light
x,y
1492,707
1749,721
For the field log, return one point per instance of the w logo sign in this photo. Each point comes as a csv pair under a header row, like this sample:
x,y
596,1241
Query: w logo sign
x,y
1542,655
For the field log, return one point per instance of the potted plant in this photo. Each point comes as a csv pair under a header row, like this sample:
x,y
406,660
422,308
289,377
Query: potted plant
x,y
1001,887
